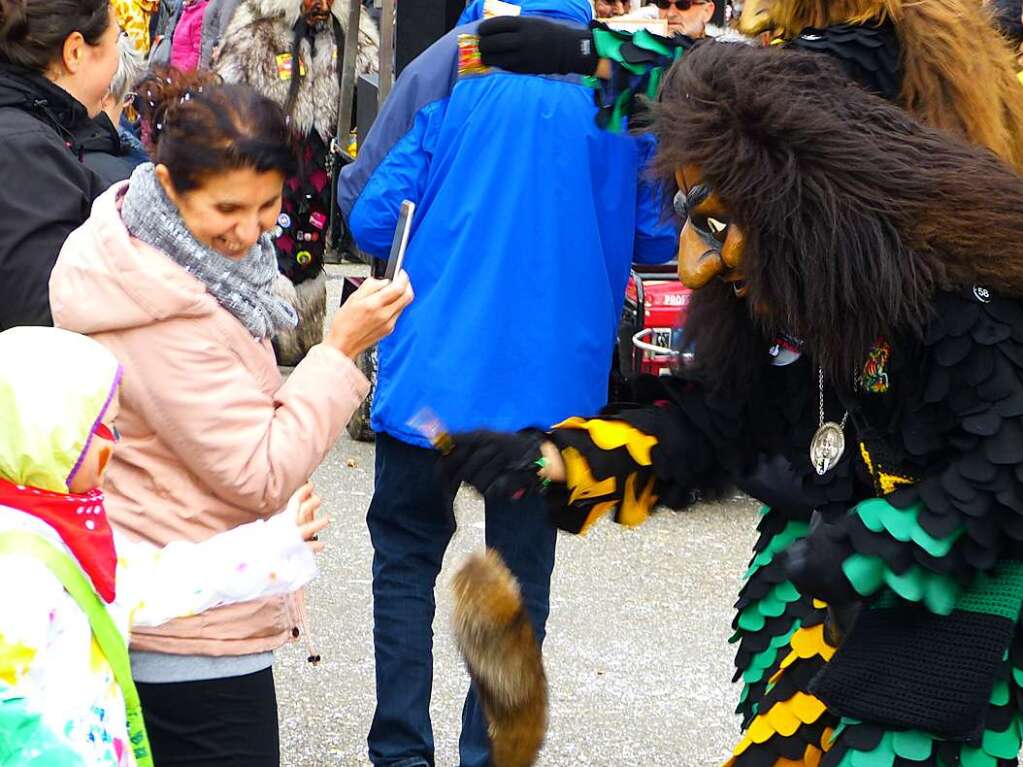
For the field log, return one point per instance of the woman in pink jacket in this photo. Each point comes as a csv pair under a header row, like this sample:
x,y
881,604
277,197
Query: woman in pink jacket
x,y
186,42
173,272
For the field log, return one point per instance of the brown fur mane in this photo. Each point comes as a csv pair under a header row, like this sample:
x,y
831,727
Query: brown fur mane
x,y
793,16
854,213
959,72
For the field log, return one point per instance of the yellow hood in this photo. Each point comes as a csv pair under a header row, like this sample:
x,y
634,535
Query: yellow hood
x,y
55,387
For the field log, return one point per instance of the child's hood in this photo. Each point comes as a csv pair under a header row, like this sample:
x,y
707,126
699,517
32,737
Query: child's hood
x,y
55,388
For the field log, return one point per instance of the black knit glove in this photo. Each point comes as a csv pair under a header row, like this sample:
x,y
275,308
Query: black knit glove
x,y
502,464
814,565
535,46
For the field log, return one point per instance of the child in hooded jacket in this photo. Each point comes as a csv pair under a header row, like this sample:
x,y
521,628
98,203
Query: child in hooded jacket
x,y
74,588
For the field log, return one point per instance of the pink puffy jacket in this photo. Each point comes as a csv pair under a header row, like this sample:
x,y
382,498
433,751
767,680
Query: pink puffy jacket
x,y
186,45
211,437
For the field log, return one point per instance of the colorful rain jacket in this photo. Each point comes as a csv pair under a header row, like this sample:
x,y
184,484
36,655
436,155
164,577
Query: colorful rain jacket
x,y
58,691
71,588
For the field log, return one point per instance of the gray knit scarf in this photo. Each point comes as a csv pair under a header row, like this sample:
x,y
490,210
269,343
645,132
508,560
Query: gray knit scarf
x,y
244,288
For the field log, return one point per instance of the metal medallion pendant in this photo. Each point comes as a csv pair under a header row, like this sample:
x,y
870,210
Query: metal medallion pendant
x,y
827,447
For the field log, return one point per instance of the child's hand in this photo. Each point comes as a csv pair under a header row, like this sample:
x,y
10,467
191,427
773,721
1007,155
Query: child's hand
x,y
305,505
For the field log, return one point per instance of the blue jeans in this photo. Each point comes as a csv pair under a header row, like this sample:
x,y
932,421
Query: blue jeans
x,y
411,521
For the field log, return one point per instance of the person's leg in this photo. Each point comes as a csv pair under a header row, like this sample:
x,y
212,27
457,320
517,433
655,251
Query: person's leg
x,y
230,722
410,523
520,532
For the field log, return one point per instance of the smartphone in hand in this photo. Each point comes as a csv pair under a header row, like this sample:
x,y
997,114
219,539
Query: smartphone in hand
x,y
396,257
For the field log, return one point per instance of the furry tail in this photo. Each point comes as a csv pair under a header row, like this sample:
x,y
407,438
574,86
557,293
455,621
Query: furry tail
x,y
496,638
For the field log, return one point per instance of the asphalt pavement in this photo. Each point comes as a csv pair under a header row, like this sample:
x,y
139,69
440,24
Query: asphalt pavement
x,y
637,657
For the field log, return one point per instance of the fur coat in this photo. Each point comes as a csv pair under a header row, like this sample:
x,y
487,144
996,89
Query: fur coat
x,y
256,49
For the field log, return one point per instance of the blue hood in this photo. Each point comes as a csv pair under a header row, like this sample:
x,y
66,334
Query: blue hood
x,y
574,11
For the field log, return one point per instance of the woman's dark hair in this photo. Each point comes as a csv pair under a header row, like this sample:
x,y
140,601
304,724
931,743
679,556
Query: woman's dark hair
x,y
854,214
198,126
32,32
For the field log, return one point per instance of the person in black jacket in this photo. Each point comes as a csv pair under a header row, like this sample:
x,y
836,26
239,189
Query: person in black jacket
x,y
112,153
57,58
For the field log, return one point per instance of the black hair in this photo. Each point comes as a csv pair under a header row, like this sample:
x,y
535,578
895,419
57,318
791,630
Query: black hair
x,y
32,32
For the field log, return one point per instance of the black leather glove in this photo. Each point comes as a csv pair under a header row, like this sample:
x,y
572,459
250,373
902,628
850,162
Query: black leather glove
x,y
503,464
535,46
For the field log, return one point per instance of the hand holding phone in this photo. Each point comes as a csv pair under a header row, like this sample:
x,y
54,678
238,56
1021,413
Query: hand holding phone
x,y
369,314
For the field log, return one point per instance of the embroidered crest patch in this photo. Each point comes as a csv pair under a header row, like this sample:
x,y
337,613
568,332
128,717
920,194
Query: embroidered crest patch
x,y
875,371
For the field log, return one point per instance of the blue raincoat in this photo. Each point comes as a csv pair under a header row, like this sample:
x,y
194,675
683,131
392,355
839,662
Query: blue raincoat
x,y
528,218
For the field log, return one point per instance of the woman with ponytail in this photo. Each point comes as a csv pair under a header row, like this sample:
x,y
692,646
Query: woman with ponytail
x,y
57,58
173,273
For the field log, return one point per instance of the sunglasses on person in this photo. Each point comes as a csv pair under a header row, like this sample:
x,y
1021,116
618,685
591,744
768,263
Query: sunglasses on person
x,y
109,433
681,5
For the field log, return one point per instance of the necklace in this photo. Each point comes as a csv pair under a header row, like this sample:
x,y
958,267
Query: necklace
x,y
828,441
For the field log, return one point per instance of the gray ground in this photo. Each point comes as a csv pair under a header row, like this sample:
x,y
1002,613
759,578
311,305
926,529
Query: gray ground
x,y
636,653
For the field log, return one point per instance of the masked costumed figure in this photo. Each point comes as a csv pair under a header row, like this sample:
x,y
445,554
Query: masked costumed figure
x,y
291,52
901,51
858,336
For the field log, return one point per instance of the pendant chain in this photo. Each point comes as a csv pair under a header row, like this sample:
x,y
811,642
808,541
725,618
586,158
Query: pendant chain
x,y
820,387
828,442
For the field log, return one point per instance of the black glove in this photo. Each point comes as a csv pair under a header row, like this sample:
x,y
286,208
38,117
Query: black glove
x,y
774,482
813,564
496,463
534,46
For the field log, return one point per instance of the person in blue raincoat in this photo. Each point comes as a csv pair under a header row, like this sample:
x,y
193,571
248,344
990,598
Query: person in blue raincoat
x,y
528,218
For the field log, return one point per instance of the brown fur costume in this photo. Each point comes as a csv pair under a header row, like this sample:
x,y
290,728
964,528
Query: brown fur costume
x,y
959,71
496,639
854,214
